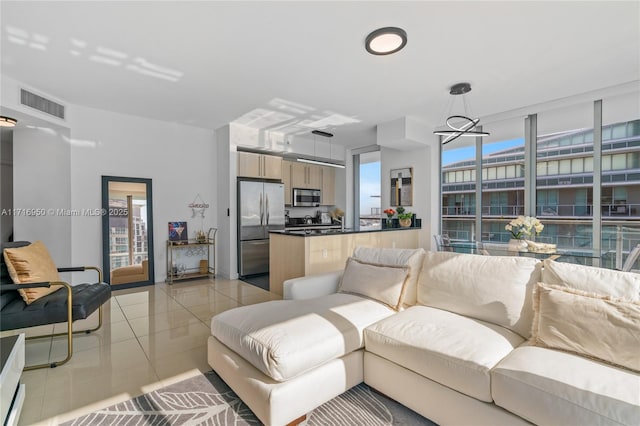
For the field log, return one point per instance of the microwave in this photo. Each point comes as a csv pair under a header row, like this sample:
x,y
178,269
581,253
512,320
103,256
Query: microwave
x,y
306,197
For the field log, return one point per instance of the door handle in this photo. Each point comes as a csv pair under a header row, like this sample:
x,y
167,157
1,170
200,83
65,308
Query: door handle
x,y
266,198
261,210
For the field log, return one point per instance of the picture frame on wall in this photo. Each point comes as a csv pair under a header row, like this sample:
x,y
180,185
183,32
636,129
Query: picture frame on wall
x,y
402,187
178,231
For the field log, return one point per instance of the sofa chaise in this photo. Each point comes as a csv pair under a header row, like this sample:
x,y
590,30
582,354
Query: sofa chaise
x,y
455,344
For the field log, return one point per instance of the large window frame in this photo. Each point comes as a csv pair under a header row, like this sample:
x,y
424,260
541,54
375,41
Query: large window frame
x,y
535,167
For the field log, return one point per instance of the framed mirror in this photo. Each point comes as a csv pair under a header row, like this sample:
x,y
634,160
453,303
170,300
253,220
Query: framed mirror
x,y
402,187
127,231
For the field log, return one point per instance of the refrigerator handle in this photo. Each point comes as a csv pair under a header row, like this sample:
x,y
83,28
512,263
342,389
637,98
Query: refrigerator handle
x,y
266,198
261,210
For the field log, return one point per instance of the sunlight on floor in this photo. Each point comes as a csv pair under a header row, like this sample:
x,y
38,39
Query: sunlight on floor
x,y
152,337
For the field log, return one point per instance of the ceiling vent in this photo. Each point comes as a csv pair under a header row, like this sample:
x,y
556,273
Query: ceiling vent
x,y
41,104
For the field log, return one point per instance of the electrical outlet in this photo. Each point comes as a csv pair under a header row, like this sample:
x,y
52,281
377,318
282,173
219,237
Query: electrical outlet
x,y
393,244
325,253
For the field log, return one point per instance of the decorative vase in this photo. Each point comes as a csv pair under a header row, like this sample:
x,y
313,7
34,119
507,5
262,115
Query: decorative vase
x,y
517,245
388,223
405,223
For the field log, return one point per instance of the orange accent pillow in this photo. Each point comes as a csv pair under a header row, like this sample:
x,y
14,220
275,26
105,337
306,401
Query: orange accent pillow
x,y
32,264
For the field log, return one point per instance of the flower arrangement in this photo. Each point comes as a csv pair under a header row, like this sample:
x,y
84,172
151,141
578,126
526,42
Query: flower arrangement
x,y
524,226
389,212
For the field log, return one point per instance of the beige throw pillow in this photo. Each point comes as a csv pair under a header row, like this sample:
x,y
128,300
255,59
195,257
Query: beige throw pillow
x,y
32,264
413,258
588,324
384,283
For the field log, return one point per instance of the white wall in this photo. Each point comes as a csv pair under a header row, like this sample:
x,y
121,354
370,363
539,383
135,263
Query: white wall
x,y
180,160
425,185
41,185
227,165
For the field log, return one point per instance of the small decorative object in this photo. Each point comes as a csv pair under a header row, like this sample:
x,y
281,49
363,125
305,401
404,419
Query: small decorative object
x,y
389,212
404,218
519,228
204,266
518,245
178,231
201,237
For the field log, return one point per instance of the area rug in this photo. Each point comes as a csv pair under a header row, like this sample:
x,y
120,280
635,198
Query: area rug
x,y
207,400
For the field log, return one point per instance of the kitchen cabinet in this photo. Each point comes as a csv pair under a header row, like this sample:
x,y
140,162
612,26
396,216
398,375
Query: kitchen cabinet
x,y
255,165
306,176
316,253
286,180
328,186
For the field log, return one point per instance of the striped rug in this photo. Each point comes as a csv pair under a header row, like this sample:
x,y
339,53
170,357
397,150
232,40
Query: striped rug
x,y
207,400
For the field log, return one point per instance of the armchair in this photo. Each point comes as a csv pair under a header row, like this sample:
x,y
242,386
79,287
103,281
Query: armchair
x,y
67,304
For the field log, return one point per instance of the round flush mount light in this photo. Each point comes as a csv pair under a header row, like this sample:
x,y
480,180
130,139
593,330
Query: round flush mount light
x,y
7,121
385,41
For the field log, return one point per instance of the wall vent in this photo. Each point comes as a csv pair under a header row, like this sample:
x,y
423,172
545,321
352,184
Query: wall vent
x,y
41,104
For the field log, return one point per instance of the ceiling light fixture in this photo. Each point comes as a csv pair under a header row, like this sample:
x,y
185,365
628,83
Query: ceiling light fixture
x,y
385,41
7,121
466,128
315,160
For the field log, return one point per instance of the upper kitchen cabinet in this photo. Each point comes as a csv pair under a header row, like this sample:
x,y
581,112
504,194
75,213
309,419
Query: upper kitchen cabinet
x,y
328,186
259,165
286,180
306,176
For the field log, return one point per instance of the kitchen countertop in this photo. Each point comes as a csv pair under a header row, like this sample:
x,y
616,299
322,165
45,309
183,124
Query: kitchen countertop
x,y
302,227
320,230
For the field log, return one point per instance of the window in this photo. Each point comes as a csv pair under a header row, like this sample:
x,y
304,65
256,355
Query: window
x,y
370,214
564,182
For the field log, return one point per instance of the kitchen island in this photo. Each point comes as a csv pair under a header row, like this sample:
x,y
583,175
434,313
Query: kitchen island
x,y
294,253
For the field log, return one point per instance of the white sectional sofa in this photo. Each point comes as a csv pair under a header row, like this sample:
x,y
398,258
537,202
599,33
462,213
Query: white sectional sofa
x,y
460,350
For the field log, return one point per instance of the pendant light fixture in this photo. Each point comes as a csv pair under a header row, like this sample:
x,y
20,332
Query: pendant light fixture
x,y
465,124
315,158
7,121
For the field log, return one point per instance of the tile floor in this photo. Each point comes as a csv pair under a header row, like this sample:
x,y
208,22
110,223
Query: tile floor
x,y
151,337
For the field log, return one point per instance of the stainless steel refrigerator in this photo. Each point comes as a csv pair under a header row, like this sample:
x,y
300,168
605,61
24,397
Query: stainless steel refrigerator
x,y
260,210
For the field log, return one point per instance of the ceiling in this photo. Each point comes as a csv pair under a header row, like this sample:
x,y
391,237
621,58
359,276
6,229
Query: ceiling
x,y
290,66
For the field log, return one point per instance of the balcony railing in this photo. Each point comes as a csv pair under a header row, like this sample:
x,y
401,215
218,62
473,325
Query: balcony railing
x,y
556,210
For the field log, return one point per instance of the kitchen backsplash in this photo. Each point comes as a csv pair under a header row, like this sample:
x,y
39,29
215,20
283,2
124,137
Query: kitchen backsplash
x,y
307,211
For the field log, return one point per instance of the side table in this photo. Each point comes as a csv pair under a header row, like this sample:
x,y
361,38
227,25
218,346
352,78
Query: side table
x,y
12,392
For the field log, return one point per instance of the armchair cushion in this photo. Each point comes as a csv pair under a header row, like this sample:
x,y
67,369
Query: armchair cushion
x,y
32,264
53,308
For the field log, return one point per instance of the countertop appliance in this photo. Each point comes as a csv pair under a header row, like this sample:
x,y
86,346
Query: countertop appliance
x,y
306,197
260,210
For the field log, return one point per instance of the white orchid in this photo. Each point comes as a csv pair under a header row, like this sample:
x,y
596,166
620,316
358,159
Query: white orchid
x,y
524,225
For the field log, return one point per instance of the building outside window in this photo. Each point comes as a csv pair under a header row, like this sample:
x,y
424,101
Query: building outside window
x,y
564,166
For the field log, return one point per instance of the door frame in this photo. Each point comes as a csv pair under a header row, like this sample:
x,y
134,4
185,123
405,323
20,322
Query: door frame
x,y
106,263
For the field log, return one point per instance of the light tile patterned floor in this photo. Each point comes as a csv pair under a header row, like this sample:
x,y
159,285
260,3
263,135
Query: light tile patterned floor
x,y
151,337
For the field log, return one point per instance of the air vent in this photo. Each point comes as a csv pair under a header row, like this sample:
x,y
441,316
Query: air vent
x,y
41,104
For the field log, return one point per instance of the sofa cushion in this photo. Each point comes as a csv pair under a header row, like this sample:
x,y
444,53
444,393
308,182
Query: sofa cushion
x,y
546,386
285,338
588,324
495,289
594,280
386,284
412,258
455,351
32,264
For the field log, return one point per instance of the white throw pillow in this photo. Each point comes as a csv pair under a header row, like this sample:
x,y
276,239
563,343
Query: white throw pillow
x,y
593,280
383,283
496,289
412,258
